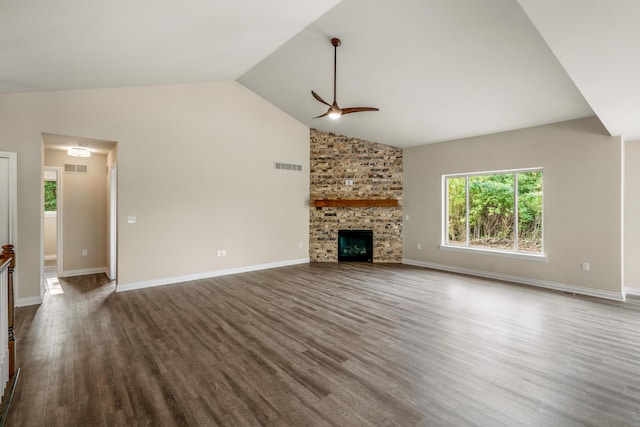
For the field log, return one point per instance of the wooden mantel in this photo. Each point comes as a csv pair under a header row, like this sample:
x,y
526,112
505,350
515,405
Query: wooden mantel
x,y
356,203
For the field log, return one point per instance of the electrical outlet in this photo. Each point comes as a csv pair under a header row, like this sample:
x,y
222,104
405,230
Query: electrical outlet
x,y
219,253
131,219
419,246
586,266
84,252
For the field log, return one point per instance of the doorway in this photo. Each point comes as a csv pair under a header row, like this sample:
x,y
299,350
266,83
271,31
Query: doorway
x,y
9,202
80,175
52,228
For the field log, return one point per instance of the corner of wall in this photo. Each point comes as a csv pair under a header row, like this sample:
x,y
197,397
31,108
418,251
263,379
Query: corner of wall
x,y
351,168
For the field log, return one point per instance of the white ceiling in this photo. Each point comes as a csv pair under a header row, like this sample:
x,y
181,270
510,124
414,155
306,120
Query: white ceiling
x,y
598,43
79,44
437,69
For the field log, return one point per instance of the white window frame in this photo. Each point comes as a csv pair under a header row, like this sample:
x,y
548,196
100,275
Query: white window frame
x,y
51,214
540,256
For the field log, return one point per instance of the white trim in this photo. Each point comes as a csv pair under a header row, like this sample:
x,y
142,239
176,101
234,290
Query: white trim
x,y
59,221
445,206
522,280
495,172
113,223
50,257
199,276
495,252
632,291
58,215
24,302
13,209
50,214
622,217
82,272
13,197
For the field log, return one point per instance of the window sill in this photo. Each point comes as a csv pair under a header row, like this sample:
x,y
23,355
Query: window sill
x,y
496,252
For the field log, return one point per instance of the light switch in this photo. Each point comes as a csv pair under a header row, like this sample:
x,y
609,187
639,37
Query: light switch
x,y
131,219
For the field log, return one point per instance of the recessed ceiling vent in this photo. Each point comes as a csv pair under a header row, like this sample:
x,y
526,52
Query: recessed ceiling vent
x,y
288,167
69,168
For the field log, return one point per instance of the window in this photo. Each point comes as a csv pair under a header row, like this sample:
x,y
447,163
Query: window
x,y
499,211
50,196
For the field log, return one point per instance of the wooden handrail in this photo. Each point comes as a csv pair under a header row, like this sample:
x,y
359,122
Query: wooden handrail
x,y
8,262
8,253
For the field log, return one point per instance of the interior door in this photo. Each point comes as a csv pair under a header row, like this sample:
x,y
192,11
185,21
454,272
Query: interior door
x,y
9,203
4,201
8,198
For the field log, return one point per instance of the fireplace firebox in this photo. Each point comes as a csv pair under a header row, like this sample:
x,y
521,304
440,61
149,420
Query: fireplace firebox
x,y
355,245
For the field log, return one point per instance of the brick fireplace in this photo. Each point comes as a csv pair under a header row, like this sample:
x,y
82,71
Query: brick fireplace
x,y
344,169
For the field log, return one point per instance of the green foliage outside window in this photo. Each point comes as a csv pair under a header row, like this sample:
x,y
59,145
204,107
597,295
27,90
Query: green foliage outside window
x,y
50,196
491,212
457,206
530,211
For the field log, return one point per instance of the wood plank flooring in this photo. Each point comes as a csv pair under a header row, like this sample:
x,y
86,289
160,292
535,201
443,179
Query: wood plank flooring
x,y
327,345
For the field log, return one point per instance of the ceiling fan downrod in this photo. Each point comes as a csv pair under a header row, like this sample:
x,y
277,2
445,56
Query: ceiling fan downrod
x,y
334,110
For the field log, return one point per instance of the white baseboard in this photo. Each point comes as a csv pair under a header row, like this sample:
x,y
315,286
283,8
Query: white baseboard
x,y
179,279
523,280
24,302
82,272
631,291
50,257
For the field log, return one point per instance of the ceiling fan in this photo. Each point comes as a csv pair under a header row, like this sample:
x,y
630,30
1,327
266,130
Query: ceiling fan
x,y
334,110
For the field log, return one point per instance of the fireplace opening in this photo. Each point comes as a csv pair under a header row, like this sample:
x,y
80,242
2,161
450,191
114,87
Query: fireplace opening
x,y
355,245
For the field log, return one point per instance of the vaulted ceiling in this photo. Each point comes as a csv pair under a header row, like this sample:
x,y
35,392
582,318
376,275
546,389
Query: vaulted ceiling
x,y
437,69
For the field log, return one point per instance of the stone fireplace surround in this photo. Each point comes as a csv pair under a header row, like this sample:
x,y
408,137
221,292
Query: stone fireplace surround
x,y
376,172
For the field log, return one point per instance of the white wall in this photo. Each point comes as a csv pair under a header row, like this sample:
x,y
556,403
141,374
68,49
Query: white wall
x,y
195,166
50,236
582,202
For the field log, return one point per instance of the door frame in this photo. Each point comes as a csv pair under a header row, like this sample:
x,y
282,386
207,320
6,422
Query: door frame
x,y
113,223
13,207
59,234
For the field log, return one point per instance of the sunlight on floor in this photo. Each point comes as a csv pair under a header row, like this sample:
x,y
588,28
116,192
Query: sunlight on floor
x,y
53,285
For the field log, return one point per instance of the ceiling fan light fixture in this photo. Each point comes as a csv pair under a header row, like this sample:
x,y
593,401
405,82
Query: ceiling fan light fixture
x,y
334,115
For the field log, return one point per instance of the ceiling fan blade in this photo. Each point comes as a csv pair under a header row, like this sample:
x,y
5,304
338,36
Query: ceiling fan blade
x,y
325,114
358,109
316,96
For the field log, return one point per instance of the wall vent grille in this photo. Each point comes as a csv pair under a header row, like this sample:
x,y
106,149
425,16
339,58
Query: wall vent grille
x,y
288,167
71,168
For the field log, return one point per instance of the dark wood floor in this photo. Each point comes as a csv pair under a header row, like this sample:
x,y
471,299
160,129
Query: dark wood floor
x,y
327,344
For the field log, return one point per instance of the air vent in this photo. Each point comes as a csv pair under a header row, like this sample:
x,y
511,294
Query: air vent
x,y
288,167
70,168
